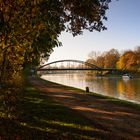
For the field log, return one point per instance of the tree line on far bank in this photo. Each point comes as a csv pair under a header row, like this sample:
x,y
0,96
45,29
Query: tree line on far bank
x,y
128,60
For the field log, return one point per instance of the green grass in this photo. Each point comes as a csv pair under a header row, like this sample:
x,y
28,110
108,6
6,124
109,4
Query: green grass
x,y
42,119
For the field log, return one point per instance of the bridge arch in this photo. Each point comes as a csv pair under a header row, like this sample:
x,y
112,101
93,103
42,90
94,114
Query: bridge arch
x,y
91,66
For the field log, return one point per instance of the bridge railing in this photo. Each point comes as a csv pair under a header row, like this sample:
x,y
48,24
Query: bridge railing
x,y
81,65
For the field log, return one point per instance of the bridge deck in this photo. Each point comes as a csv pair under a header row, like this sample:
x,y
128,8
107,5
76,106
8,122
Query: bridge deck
x,y
106,69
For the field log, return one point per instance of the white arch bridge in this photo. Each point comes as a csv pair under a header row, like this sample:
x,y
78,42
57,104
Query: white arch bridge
x,y
72,65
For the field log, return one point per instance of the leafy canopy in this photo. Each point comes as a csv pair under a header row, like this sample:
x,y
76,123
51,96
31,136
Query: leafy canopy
x,y
30,29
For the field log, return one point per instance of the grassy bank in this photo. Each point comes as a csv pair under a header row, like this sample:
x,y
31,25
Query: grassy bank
x,y
40,119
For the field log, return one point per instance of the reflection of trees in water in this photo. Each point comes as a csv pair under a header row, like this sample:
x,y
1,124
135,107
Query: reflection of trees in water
x,y
136,84
104,85
115,87
109,85
127,89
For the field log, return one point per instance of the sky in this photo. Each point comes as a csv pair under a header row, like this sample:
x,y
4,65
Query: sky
x,y
123,33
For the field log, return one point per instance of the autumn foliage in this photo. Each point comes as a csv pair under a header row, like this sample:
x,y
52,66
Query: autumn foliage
x,y
30,29
128,60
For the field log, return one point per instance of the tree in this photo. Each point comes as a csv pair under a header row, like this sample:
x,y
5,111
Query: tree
x,y
105,59
137,54
110,58
100,61
128,61
29,29
92,57
24,25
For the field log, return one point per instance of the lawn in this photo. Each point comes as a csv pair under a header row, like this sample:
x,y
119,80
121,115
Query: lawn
x,y
40,118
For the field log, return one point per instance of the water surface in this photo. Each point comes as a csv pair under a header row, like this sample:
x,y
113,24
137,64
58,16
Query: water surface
x,y
110,86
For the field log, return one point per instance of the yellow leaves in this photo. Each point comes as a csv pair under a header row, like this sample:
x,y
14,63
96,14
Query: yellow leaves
x,y
2,45
121,64
14,58
35,2
128,61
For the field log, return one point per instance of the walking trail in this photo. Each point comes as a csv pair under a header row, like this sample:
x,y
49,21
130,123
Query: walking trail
x,y
117,119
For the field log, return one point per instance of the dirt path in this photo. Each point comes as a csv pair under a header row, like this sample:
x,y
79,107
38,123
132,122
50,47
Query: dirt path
x,y
114,118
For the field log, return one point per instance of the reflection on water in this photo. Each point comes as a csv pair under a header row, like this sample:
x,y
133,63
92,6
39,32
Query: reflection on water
x,y
115,87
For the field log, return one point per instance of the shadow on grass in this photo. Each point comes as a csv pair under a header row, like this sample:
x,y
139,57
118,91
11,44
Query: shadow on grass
x,y
41,119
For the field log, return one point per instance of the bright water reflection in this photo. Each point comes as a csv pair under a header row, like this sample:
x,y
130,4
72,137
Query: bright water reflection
x,y
115,87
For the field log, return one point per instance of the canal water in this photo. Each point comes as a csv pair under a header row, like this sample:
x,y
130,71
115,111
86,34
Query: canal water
x,y
110,86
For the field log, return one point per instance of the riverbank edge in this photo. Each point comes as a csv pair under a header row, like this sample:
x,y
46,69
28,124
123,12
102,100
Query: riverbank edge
x,y
97,95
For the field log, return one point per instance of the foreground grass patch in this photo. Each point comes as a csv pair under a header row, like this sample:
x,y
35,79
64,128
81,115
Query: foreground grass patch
x,y
42,119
